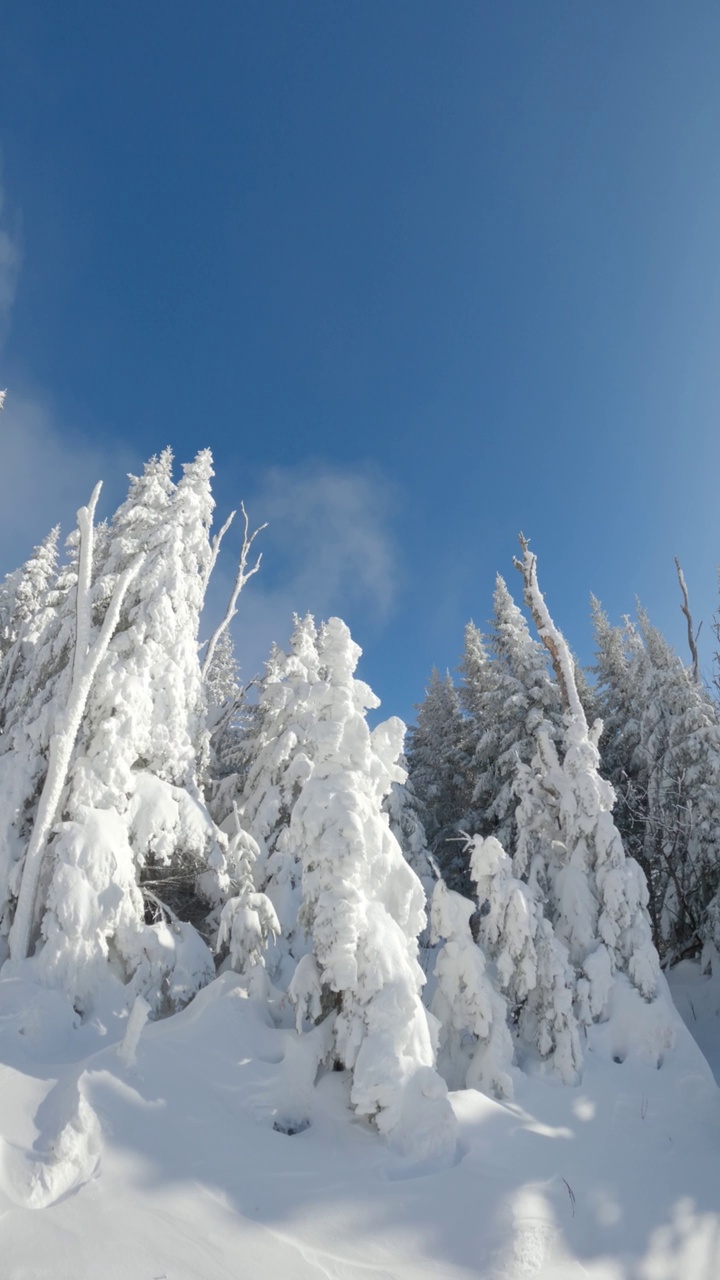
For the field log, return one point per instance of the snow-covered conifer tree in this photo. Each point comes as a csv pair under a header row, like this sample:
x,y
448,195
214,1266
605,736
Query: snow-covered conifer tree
x,y
363,907
531,963
405,812
599,897
679,755
619,670
439,770
278,750
135,831
524,698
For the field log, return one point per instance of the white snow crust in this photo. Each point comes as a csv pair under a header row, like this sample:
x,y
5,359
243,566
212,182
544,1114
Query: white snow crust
x,y
207,1152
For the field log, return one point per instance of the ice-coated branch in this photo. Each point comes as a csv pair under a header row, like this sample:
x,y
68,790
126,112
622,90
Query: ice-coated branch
x,y
83,606
215,551
2,399
243,575
62,741
692,634
552,638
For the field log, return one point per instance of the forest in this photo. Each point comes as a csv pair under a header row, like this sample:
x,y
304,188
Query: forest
x,y
540,839
233,913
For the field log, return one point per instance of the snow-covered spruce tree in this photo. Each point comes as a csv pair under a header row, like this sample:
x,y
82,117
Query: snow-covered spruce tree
x,y
515,697
439,770
661,750
35,700
363,909
23,596
619,666
132,809
679,756
228,713
532,965
598,896
76,677
278,750
405,814
476,1048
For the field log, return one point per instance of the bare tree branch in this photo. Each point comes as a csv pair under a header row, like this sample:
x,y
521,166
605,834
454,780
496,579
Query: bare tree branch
x,y
214,550
243,575
685,609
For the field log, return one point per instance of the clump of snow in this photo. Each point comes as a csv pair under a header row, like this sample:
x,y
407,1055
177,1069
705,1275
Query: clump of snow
x,y
475,1046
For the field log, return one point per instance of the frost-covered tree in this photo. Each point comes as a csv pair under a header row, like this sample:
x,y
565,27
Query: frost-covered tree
x,y
121,829
278,750
439,770
598,897
510,694
476,1048
35,700
618,671
405,813
679,756
532,964
23,596
661,750
363,907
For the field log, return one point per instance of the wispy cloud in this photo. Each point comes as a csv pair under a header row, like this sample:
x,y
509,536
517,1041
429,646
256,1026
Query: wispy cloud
x,y
46,473
10,260
328,549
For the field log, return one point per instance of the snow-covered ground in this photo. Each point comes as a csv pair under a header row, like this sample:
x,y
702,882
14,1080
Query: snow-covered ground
x,y
206,1153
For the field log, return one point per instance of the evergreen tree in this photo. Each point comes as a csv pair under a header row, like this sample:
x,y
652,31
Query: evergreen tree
x,y
679,754
439,770
279,751
130,797
532,964
598,896
618,670
512,695
363,907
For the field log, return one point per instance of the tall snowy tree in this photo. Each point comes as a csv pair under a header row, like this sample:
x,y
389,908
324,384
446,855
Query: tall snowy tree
x,y
439,770
279,751
599,897
135,831
363,908
510,694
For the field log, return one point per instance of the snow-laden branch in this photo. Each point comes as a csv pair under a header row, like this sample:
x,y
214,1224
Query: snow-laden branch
x,y
552,638
85,665
243,575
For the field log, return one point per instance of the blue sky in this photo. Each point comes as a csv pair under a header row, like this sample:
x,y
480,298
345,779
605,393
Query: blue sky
x,y
421,274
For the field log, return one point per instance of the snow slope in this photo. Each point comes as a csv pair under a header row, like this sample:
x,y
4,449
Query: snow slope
x,y
203,1152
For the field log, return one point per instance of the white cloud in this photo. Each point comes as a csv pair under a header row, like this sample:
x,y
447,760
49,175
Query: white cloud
x,y
327,550
10,259
46,473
